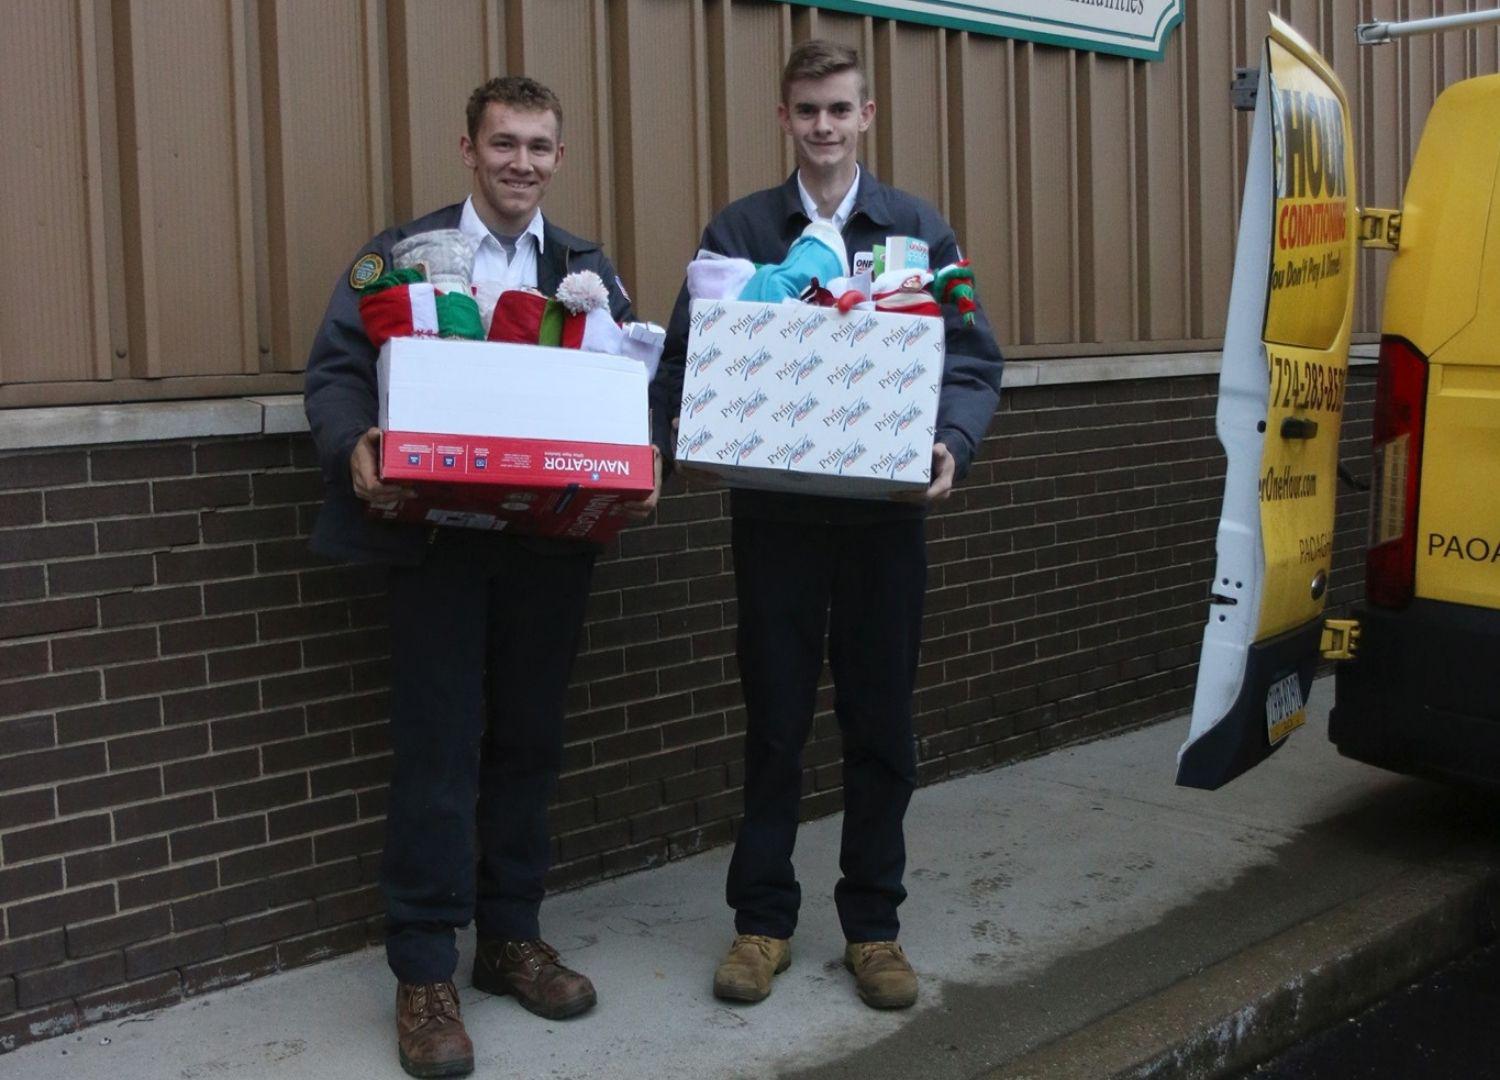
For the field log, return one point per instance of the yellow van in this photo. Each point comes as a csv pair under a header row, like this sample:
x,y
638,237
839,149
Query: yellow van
x,y
1422,693
1420,686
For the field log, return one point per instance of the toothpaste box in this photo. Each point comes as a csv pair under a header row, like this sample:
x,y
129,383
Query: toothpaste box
x,y
791,397
536,440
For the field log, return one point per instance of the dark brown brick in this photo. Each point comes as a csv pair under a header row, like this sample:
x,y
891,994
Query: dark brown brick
x,y
141,462
247,455
102,935
173,951
155,676
211,703
27,807
7,998
34,879
111,718
130,998
27,733
48,617
110,647
264,862
171,884
49,692
215,770
205,563
18,661
22,508
311,817
304,620
50,1021
219,905
43,470
229,971
264,523
325,943
35,916
198,635
270,926
109,574
224,597
347,647
97,501
25,954
68,980
21,583
220,836
151,605
162,815
272,556
199,493
351,776
254,660
354,840
148,533
310,751
348,711
102,792
258,728
49,766
261,794
116,861
288,487
304,686
154,747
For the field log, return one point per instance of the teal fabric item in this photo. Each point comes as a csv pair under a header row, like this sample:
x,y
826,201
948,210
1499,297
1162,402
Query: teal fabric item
x,y
808,258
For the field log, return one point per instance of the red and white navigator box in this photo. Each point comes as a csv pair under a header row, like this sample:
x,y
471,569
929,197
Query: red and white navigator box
x,y
538,487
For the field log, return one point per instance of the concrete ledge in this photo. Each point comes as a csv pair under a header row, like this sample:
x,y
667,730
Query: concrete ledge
x,y
92,425
1251,1006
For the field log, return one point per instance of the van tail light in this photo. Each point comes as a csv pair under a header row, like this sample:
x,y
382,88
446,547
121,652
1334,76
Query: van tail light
x,y
1400,404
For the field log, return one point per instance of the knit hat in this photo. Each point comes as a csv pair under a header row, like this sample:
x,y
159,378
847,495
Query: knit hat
x,y
711,276
954,284
401,304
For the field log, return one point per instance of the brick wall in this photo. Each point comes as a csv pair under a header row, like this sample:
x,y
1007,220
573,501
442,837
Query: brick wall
x,y
192,750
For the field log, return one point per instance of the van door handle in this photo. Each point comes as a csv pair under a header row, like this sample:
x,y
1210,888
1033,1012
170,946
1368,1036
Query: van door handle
x,y
1297,427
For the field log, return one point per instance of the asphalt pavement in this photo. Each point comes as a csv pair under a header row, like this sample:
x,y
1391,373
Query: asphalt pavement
x,y
1075,915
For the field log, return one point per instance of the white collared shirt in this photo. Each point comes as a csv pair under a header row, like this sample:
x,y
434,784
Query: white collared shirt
x,y
490,261
841,212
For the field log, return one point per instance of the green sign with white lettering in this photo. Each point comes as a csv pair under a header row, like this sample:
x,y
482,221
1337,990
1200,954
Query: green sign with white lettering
x,y
1137,28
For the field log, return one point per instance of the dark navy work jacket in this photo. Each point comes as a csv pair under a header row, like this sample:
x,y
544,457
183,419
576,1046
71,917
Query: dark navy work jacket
x,y
761,227
341,397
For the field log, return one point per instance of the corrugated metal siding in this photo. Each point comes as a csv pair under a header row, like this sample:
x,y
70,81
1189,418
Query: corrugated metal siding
x,y
195,175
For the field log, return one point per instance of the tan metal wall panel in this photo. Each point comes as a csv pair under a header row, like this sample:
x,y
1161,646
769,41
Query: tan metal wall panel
x,y
326,185
438,54
50,328
982,168
190,215
660,166
1163,291
1106,181
229,156
1047,196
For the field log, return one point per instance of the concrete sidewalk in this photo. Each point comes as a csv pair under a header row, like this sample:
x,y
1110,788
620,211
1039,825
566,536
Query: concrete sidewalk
x,y
1059,908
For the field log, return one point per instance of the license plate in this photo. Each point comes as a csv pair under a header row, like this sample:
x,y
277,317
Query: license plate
x,y
1285,710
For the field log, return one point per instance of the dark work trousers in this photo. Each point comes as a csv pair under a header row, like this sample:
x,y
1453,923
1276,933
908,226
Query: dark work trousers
x,y
861,587
483,636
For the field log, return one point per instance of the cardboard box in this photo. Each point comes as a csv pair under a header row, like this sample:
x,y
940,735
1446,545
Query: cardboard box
x,y
491,436
791,397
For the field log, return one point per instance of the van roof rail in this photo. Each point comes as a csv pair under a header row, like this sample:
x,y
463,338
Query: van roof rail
x,y
1383,33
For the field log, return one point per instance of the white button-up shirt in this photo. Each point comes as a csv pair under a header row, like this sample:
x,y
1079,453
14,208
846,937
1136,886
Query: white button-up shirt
x,y
490,261
841,212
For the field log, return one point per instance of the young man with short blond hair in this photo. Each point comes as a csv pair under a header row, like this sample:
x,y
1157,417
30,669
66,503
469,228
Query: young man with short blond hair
x,y
484,625
848,571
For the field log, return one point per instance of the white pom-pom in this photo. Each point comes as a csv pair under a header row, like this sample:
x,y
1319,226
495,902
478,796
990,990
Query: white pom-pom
x,y
582,291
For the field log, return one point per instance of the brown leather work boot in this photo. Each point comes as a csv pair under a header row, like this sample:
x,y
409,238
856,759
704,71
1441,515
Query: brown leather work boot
x,y
430,1035
882,974
746,973
530,970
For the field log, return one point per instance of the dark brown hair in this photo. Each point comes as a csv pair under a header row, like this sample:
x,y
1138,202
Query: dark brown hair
x,y
819,58
517,91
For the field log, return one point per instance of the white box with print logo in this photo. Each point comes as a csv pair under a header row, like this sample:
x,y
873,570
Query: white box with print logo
x,y
790,397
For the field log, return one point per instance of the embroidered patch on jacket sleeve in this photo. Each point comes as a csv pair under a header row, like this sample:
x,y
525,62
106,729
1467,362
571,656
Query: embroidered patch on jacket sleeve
x,y
366,269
